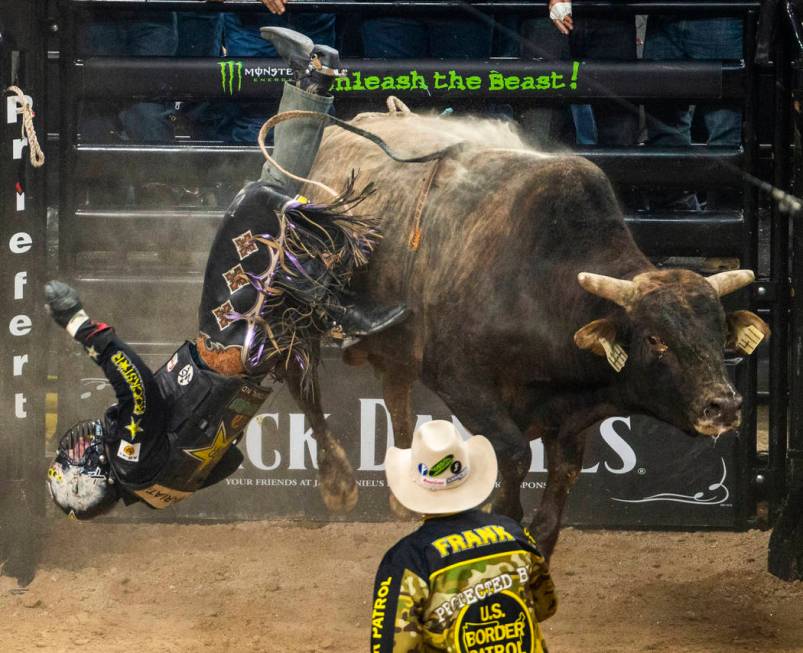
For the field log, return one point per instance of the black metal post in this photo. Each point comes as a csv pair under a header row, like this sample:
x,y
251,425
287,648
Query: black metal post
x,y
786,543
22,266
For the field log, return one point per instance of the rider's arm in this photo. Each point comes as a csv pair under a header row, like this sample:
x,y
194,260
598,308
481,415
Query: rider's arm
x,y
140,413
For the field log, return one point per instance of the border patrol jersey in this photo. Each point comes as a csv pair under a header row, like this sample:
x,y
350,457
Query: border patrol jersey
x,y
473,582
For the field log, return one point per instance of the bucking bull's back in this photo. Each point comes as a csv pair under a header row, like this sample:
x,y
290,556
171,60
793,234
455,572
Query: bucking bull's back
x,y
442,220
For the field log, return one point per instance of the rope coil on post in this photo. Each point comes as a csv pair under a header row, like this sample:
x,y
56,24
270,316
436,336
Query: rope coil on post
x,y
28,131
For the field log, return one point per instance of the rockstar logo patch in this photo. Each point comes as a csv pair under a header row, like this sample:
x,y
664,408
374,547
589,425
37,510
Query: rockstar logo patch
x,y
235,278
220,314
133,428
244,244
211,455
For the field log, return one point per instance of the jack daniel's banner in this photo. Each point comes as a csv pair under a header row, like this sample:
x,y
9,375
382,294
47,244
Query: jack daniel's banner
x,y
638,472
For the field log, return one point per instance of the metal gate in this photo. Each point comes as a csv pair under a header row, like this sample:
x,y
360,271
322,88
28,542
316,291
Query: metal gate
x,y
114,251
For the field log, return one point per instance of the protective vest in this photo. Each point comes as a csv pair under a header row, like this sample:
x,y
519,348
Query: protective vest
x,y
208,414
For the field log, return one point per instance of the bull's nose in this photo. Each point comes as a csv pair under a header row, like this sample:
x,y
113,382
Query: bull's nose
x,y
725,409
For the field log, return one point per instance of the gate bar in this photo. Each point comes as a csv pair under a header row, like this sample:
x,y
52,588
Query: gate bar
x,y
588,7
176,78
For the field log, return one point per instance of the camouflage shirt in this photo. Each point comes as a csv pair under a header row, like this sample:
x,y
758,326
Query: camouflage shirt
x,y
467,583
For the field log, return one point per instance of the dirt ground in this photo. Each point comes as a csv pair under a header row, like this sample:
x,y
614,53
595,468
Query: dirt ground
x,y
275,586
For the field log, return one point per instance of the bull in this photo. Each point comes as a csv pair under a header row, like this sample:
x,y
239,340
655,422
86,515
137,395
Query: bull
x,y
534,312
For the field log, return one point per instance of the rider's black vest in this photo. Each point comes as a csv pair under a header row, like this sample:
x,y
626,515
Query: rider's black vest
x,y
208,413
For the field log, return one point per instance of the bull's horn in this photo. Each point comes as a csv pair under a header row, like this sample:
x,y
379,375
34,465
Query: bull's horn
x,y
730,281
620,291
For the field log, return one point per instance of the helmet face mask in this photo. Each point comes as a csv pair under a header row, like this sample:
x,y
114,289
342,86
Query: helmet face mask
x,y
79,478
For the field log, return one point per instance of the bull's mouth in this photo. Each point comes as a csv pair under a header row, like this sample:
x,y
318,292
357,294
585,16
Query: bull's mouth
x,y
714,428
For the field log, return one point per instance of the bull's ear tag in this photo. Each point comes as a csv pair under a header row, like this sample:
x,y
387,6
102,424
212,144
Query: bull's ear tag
x,y
748,338
746,331
617,357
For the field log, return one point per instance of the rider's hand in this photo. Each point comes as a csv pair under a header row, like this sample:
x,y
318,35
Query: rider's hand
x,y
63,302
275,6
560,11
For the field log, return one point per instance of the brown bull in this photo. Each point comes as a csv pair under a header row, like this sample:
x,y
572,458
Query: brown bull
x,y
534,313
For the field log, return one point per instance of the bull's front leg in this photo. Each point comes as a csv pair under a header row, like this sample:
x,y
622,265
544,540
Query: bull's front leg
x,y
338,487
564,452
482,411
564,449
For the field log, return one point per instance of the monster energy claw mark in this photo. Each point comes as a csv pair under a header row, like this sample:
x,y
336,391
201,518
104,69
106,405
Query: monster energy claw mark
x,y
227,69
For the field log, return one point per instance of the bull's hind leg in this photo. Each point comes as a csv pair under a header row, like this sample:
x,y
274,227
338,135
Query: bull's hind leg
x,y
338,487
482,411
397,387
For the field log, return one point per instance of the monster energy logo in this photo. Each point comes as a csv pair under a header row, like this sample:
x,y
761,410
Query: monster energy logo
x,y
228,70
441,466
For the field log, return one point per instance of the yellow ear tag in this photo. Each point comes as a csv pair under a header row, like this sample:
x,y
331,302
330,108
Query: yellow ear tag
x,y
302,199
748,338
72,516
617,357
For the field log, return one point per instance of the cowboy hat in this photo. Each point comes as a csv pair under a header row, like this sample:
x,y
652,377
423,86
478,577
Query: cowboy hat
x,y
441,473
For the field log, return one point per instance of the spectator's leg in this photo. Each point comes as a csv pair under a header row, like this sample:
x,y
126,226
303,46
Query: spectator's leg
x,y
546,125
394,38
98,120
717,39
155,37
609,39
241,38
200,34
668,124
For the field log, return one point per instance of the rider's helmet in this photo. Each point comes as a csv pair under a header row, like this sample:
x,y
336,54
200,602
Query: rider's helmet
x,y
79,479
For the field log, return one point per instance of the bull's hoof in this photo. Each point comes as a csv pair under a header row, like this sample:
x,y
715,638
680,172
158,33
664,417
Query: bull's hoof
x,y
399,511
338,487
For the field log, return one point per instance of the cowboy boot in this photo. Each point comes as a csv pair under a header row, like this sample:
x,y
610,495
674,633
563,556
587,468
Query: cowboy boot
x,y
313,66
364,317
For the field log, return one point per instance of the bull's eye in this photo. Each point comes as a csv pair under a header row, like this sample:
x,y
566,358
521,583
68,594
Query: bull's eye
x,y
658,346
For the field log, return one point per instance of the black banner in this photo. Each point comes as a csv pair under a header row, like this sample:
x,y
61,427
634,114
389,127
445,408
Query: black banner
x,y
638,472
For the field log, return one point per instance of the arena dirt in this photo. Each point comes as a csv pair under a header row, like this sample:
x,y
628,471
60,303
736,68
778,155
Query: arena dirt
x,y
268,586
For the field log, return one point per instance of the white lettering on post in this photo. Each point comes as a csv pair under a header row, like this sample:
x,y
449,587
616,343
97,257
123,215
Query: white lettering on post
x,y
20,279
20,242
19,362
19,406
20,325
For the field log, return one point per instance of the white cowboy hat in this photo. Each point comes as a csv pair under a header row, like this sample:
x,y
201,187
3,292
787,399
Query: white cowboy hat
x,y
441,473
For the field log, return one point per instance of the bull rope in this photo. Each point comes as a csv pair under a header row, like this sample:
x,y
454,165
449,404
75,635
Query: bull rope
x,y
28,131
395,107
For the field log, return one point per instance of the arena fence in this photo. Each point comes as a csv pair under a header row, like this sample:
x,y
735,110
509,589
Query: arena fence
x,y
153,257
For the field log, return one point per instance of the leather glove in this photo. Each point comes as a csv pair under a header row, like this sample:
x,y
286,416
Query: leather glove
x,y
63,302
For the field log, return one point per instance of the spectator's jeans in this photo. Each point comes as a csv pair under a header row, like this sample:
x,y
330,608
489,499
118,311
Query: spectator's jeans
x,y
608,39
439,38
200,34
669,125
130,35
548,126
242,39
